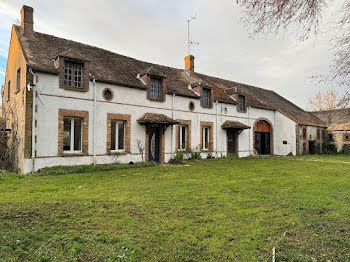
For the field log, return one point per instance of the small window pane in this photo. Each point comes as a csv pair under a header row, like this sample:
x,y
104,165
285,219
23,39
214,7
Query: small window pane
x,y
206,97
183,141
77,134
206,137
113,133
121,136
66,134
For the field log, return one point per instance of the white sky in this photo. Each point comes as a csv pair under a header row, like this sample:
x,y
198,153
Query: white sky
x,y
156,31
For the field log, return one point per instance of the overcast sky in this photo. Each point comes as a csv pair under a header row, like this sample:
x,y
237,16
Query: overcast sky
x,y
156,31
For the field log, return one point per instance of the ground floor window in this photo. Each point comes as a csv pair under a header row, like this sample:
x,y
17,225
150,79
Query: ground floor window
x,y
72,135
206,138
117,136
182,137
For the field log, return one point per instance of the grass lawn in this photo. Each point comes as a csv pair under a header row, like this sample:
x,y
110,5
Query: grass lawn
x,y
215,210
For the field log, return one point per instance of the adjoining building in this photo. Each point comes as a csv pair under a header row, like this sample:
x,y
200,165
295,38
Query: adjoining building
x,y
79,104
338,127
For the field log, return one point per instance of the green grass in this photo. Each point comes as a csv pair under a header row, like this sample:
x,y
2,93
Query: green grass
x,y
213,210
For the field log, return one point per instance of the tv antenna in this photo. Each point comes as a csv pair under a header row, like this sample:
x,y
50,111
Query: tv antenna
x,y
190,42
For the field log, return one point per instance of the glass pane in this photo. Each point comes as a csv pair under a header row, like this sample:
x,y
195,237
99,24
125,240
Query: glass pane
x,y
121,136
113,135
179,138
77,134
183,141
206,137
155,88
66,134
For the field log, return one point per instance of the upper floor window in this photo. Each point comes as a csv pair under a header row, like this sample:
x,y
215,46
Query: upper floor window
x,y
304,133
73,74
72,135
206,97
18,84
182,137
318,134
241,106
155,88
117,136
8,91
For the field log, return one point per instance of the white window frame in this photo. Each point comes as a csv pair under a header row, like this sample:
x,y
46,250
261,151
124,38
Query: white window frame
x,y
72,151
116,122
180,148
203,138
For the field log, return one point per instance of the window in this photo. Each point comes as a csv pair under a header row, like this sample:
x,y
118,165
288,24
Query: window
x,y
155,88
72,134
117,136
191,106
18,84
73,74
108,94
346,137
182,137
318,134
8,91
330,137
206,138
241,107
206,97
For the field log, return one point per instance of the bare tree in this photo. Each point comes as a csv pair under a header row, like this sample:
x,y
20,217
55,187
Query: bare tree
x,y
274,16
329,100
141,147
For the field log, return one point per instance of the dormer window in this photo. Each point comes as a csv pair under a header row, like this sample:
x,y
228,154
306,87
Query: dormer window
x,y
241,104
73,74
206,97
155,88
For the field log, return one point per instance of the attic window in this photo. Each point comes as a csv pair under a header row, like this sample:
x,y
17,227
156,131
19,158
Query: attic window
x,y
241,106
155,88
206,97
73,74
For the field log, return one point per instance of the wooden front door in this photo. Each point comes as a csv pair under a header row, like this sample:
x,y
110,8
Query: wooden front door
x,y
232,141
262,143
154,144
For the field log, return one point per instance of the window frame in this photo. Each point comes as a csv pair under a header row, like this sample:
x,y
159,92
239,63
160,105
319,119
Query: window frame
x,y
241,106
74,70
117,150
18,80
207,99
180,138
151,85
204,137
72,133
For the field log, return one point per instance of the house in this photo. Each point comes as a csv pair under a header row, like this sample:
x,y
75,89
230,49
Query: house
x,y
79,104
338,126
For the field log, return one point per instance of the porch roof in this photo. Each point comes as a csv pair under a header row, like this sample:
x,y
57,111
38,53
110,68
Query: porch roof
x,y
152,118
234,125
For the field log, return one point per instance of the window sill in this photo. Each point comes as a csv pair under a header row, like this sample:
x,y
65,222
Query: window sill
x,y
76,89
156,99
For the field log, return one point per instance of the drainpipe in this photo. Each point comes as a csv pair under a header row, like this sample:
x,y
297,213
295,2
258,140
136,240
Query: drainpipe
x,y
249,129
94,122
33,119
172,127
216,131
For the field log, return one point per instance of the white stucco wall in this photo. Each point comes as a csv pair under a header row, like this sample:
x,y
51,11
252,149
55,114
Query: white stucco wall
x,y
133,102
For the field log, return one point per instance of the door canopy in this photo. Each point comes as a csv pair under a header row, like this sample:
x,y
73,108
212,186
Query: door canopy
x,y
262,126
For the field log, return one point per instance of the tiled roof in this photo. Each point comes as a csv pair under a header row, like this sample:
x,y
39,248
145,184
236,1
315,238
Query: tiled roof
x,y
338,116
151,118
112,68
234,124
339,127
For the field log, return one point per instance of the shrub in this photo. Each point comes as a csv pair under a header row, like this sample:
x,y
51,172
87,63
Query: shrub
x,y
196,155
329,148
178,159
346,149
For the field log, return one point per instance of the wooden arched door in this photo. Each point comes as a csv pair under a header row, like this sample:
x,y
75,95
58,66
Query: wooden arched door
x,y
263,137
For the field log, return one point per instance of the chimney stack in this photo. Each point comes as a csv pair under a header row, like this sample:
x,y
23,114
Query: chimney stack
x,y
27,21
189,63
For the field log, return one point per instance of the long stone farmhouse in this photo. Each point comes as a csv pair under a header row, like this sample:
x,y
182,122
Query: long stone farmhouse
x,y
78,104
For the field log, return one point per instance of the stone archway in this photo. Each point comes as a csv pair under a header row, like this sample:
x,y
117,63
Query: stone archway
x,y
263,136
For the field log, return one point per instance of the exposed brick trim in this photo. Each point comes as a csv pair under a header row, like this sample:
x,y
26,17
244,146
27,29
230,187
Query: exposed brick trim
x,y
85,75
120,117
187,123
85,138
211,135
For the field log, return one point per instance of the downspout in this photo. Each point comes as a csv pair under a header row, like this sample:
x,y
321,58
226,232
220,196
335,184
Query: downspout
x,y
33,120
249,149
172,127
94,122
216,131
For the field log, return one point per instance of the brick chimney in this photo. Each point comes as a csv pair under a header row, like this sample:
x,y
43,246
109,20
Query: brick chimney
x,y
189,63
27,21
